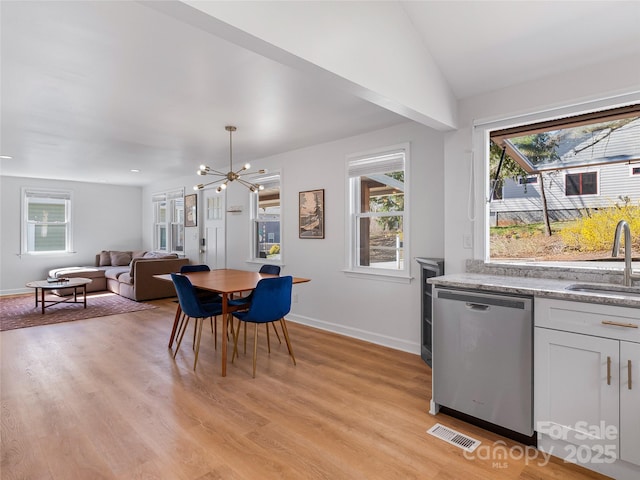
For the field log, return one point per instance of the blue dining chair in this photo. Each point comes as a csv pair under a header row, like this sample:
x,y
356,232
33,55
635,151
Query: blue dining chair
x,y
246,301
192,307
204,296
271,301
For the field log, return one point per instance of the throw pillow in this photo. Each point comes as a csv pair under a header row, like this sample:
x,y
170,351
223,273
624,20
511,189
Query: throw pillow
x,y
105,258
138,254
120,259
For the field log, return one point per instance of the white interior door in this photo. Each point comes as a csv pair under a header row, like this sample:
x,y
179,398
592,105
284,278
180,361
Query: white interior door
x,y
215,247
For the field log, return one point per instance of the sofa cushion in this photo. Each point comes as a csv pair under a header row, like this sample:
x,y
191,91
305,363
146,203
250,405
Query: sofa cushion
x,y
119,259
115,272
105,258
126,278
138,254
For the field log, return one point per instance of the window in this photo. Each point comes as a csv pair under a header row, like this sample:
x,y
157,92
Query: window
x,y
581,184
584,163
168,221
378,202
266,228
635,171
46,221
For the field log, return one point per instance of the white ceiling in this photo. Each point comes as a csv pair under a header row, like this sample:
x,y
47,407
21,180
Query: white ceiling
x,y
91,90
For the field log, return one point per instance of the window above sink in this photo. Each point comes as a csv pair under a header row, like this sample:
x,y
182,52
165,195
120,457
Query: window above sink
x,y
558,187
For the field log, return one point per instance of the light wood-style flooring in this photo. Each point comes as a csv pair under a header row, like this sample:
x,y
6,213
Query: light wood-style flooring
x,y
104,399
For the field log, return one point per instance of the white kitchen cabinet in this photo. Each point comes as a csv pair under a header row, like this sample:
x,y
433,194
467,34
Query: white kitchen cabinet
x,y
574,391
630,402
585,397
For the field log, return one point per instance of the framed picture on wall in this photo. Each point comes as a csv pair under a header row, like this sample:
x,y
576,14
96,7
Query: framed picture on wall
x,y
191,210
311,214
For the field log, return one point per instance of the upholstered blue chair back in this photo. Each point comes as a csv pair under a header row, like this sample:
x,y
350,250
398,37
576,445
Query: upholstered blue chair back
x,y
194,268
271,300
270,269
187,297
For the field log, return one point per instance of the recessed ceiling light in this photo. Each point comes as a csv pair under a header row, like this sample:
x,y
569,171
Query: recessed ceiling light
x,y
6,157
135,170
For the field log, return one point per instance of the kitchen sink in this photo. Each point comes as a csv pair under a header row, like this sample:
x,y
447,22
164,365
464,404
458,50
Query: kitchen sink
x,y
602,289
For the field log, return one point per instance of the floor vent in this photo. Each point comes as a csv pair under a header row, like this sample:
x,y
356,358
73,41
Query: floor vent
x,y
454,438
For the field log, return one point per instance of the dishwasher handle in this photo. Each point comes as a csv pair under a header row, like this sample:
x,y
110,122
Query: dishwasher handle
x,y
476,306
484,299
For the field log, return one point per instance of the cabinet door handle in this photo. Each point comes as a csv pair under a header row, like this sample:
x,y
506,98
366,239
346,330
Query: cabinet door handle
x,y
629,376
608,370
619,324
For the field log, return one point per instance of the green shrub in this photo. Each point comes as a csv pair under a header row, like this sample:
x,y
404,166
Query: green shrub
x,y
594,231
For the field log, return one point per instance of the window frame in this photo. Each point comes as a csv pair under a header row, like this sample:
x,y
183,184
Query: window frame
x,y
45,193
353,216
569,173
481,134
255,218
168,200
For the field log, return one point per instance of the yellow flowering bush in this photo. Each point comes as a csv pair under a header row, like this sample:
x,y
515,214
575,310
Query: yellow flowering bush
x,y
594,231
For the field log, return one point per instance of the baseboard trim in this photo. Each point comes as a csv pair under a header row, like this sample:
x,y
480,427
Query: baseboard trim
x,y
16,291
384,340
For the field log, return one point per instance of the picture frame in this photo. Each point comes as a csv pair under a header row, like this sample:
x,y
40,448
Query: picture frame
x,y
311,214
191,210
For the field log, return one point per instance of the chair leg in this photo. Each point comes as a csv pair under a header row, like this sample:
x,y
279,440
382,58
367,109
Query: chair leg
x,y
176,325
255,349
275,330
199,323
214,321
286,338
193,345
268,340
184,329
245,338
235,343
180,323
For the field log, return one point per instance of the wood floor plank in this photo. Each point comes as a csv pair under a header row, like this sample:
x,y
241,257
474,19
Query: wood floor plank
x,y
104,398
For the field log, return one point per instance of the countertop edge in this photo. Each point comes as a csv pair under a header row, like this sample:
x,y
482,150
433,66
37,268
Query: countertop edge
x,y
535,287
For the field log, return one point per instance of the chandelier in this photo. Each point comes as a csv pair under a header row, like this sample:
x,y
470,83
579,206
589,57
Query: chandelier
x,y
231,175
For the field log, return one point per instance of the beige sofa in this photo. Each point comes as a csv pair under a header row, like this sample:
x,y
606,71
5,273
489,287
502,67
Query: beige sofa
x,y
128,273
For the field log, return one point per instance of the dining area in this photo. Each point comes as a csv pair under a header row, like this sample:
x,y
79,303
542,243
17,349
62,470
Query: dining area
x,y
238,298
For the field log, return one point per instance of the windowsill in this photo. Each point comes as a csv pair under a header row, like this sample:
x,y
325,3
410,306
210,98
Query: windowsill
x,y
597,271
379,275
45,254
265,261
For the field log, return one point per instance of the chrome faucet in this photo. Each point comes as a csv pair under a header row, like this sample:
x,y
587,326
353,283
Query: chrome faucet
x,y
628,272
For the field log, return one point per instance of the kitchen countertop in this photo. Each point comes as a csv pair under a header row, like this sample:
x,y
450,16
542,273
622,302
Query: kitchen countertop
x,y
537,287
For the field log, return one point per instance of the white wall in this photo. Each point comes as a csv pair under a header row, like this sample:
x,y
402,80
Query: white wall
x,y
380,311
105,217
614,78
384,312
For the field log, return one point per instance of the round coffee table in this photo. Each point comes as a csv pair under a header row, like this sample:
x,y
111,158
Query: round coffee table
x,y
45,285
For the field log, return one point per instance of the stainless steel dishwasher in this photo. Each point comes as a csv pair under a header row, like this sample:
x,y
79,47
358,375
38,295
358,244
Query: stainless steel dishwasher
x,y
483,357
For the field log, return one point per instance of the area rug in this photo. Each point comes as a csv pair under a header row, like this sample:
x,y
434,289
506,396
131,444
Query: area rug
x,y
19,311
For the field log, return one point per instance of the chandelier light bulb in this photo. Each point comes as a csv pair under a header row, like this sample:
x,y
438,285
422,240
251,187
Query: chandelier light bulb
x,y
223,186
247,166
200,186
203,167
260,187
